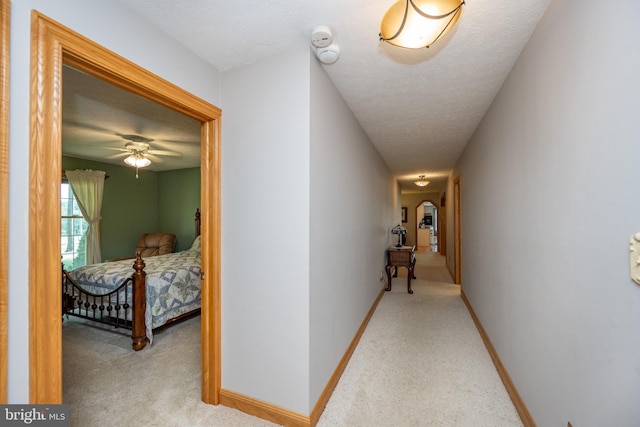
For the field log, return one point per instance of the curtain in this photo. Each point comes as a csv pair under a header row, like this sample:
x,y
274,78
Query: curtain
x,y
87,186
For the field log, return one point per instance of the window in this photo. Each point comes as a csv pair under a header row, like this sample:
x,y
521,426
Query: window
x,y
72,231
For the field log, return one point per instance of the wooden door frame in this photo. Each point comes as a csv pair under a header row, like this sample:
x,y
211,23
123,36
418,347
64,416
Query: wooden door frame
x,y
442,231
5,35
457,231
442,239
52,46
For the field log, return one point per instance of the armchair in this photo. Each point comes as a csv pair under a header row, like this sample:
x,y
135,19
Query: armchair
x,y
152,244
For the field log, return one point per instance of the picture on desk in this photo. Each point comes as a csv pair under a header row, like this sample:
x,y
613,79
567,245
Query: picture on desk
x,y
404,214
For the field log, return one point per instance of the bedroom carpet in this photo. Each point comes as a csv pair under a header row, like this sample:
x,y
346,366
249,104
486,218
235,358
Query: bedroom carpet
x,y
420,362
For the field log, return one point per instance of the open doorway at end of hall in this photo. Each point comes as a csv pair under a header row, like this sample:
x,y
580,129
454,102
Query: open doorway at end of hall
x,y
427,227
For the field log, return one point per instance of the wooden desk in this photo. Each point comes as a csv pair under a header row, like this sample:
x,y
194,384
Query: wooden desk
x,y
401,257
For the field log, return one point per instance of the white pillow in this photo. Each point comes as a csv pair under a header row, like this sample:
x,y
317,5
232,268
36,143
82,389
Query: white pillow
x,y
196,245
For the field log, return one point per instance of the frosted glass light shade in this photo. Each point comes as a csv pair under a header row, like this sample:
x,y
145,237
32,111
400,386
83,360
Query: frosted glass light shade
x,y
419,23
422,181
137,161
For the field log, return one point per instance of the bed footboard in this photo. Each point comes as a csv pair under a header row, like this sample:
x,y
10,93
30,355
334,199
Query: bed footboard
x,y
123,307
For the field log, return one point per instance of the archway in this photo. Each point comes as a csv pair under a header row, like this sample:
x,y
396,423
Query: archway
x,y
427,226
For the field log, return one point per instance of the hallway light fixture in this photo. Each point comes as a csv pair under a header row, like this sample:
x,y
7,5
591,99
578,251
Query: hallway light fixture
x,y
419,23
422,181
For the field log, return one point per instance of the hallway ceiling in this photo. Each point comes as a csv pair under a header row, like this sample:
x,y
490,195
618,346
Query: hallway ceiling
x,y
418,107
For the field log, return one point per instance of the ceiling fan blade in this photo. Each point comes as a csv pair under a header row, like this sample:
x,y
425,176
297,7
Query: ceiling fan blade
x,y
124,150
135,138
117,156
169,144
72,125
165,153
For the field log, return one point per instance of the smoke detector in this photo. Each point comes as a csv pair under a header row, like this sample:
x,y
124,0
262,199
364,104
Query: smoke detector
x,y
321,36
329,54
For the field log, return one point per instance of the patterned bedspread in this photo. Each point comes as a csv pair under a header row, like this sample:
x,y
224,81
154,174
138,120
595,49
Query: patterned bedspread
x,y
173,283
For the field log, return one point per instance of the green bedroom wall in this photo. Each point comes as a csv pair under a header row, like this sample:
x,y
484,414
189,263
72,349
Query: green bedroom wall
x,y
156,201
178,198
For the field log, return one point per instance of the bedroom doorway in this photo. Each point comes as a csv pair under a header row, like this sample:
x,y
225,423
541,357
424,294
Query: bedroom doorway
x,y
56,47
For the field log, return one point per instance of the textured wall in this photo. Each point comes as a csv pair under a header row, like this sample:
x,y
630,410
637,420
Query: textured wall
x,y
549,202
116,27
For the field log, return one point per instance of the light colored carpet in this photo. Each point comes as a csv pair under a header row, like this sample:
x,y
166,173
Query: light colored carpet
x,y
107,384
421,362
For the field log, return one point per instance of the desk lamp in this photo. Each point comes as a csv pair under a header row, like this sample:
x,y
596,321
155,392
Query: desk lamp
x,y
400,231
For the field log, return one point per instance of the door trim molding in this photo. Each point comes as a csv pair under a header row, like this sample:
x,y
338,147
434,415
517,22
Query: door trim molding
x,y
52,46
5,35
457,232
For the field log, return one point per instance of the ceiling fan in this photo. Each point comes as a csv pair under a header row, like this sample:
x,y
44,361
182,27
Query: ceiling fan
x,y
138,152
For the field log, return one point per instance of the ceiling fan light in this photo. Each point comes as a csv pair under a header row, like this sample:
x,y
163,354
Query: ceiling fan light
x,y
422,181
137,161
415,24
143,162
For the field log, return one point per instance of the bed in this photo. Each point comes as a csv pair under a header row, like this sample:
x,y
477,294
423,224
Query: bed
x,y
137,294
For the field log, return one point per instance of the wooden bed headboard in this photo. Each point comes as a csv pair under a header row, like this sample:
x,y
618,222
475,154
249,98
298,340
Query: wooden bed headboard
x,y
197,220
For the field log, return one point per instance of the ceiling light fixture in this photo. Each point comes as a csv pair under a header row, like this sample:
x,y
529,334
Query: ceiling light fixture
x,y
422,181
137,157
419,23
137,161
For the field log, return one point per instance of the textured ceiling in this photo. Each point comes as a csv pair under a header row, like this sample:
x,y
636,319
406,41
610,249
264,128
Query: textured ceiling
x,y
418,107
99,119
